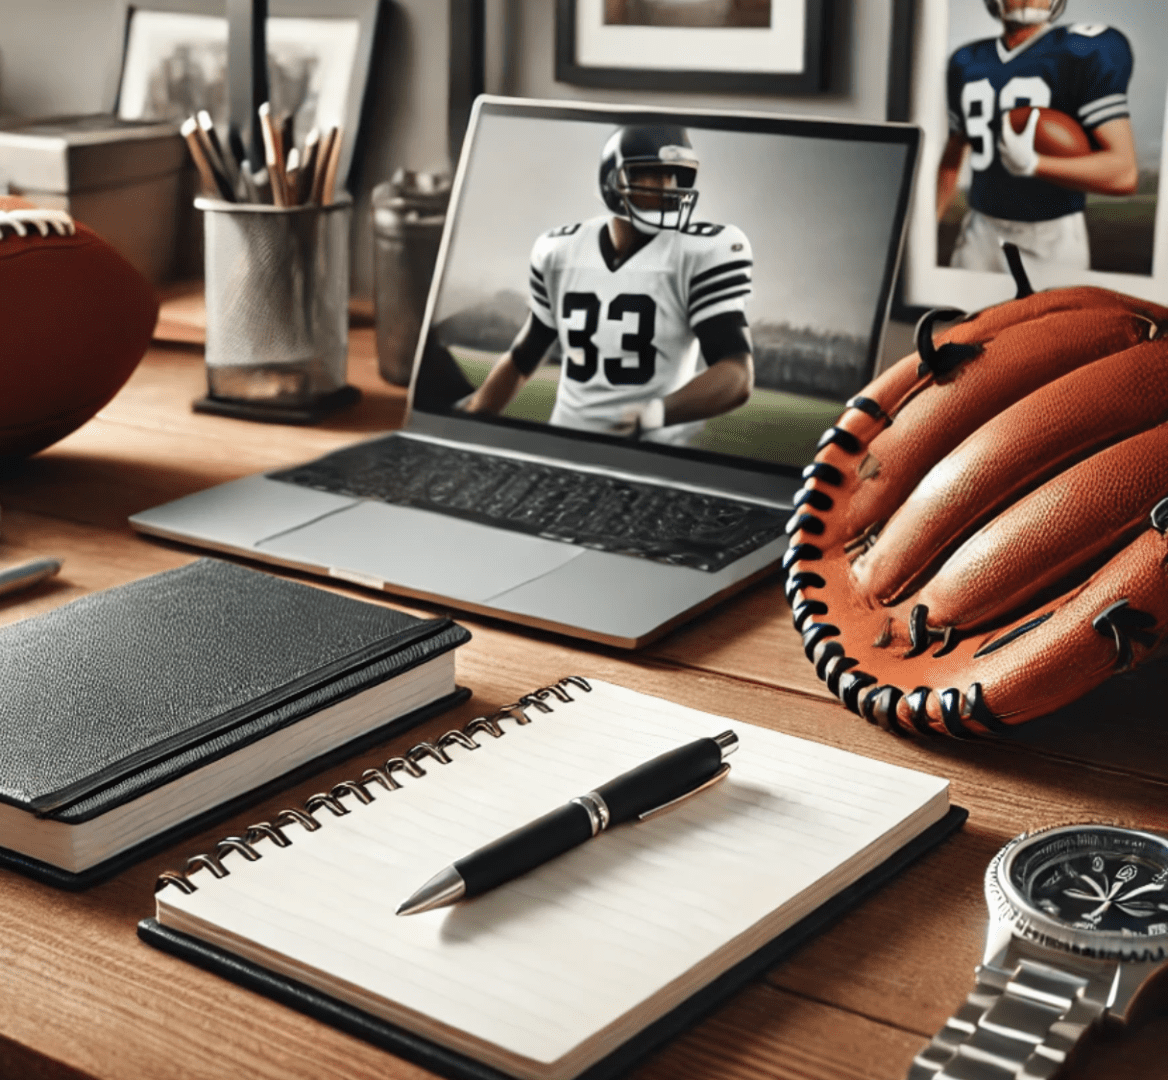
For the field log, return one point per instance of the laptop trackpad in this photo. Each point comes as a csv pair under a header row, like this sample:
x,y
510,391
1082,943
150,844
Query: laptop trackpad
x,y
431,553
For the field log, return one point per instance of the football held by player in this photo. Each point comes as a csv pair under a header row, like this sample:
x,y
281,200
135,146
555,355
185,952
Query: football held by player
x,y
1017,194
647,304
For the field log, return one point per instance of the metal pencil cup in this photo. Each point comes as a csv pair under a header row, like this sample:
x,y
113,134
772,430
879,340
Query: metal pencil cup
x,y
277,298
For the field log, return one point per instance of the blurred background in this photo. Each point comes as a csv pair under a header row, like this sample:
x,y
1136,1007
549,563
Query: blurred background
x,y
64,57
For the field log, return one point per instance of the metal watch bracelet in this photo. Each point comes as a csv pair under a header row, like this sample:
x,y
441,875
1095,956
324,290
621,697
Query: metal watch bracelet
x,y
1015,1025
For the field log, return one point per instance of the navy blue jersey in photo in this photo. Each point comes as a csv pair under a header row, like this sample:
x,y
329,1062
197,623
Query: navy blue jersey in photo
x,y
1081,70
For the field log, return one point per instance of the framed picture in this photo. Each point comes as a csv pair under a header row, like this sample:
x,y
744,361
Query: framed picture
x,y
731,46
319,55
1102,221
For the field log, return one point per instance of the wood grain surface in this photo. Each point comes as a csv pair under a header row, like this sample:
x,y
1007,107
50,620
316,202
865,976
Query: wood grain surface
x,y
80,996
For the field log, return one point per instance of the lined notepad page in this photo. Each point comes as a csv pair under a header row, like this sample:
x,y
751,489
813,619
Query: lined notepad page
x,y
562,965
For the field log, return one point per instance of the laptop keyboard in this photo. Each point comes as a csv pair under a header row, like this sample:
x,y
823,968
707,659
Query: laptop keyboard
x,y
683,528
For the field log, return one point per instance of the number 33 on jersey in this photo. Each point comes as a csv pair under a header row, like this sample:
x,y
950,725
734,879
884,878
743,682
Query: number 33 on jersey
x,y
627,332
1081,70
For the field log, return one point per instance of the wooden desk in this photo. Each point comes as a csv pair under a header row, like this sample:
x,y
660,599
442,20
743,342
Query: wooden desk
x,y
81,996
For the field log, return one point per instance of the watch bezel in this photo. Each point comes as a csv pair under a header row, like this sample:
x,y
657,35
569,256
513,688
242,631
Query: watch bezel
x,y
1033,924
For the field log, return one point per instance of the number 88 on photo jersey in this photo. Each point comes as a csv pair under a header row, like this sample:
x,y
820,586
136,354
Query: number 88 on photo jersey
x,y
627,334
1081,70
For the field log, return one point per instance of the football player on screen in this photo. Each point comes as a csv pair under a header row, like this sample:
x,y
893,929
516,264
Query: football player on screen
x,y
648,306
1035,200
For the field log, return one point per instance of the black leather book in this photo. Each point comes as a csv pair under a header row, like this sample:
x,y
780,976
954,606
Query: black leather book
x,y
138,714
581,967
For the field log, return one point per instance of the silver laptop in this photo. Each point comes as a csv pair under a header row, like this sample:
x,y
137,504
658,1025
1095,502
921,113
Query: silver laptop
x,y
640,323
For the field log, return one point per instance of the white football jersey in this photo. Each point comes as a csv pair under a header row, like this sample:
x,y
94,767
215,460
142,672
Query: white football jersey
x,y
627,335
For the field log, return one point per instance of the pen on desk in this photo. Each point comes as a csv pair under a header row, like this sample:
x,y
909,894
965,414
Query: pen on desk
x,y
25,575
639,793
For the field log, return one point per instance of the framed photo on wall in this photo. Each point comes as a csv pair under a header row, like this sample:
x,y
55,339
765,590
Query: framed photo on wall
x,y
725,46
1103,63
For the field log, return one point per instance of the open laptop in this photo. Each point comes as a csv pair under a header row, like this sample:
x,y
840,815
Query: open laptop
x,y
584,450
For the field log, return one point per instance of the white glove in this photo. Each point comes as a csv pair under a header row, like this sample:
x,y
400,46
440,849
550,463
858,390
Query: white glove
x,y
637,419
1017,149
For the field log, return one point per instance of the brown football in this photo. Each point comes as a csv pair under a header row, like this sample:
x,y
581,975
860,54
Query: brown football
x,y
1057,134
75,319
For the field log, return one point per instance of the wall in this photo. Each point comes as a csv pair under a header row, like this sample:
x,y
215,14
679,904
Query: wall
x,y
57,56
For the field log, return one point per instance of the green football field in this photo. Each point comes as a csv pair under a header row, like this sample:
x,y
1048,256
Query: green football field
x,y
771,426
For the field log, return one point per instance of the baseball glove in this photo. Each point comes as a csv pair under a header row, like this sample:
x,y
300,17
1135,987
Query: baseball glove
x,y
981,538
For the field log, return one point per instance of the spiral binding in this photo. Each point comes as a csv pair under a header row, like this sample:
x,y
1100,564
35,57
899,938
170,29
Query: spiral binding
x,y
358,789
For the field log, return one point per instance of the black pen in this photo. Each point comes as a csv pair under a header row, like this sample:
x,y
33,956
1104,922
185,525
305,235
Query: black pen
x,y
638,793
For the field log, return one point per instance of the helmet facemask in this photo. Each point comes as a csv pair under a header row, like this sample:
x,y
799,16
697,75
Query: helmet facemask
x,y
657,197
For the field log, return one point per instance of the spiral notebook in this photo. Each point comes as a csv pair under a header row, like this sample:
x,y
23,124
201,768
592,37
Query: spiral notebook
x,y
589,962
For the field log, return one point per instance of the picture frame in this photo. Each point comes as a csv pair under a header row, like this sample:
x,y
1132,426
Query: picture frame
x,y
718,46
1128,235
320,53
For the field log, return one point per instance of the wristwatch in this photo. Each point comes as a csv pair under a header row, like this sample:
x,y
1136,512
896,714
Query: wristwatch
x,y
1078,928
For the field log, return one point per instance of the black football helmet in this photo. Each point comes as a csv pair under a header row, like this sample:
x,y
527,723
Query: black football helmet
x,y
1028,15
638,147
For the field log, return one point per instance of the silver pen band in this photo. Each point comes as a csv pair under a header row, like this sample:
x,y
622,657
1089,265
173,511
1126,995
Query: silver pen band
x,y
596,809
1015,1025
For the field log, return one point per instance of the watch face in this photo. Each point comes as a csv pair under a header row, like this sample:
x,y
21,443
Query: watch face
x,y
1099,879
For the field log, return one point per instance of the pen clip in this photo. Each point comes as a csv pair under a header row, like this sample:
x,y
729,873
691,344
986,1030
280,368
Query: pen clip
x,y
646,815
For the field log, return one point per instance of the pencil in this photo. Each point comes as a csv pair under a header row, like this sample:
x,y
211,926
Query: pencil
x,y
223,159
274,155
323,153
308,162
287,127
292,175
215,163
189,132
330,170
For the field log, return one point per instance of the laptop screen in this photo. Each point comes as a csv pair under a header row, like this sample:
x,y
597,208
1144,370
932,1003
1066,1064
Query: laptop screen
x,y
699,291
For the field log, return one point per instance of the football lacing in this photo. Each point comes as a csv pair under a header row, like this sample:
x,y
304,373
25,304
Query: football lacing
x,y
18,221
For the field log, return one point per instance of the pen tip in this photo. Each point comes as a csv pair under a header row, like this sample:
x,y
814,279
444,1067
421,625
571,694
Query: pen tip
x,y
443,889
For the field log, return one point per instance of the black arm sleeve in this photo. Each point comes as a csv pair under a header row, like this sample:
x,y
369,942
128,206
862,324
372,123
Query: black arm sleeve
x,y
724,335
532,342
